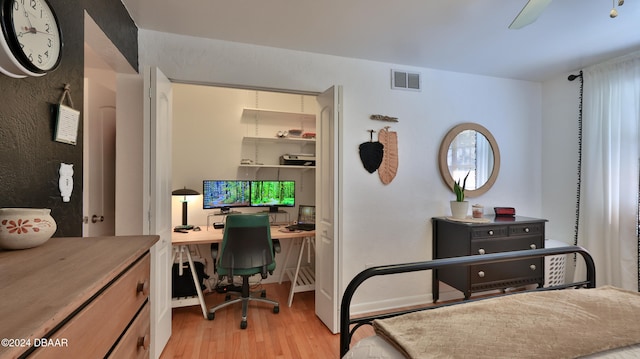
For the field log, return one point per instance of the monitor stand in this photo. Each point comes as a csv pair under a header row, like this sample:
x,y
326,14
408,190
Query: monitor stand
x,y
186,227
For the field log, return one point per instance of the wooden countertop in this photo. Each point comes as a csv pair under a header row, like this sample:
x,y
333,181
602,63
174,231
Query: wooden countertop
x,y
42,286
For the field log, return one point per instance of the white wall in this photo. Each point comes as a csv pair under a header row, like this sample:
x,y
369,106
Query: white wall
x,y
129,154
384,224
560,156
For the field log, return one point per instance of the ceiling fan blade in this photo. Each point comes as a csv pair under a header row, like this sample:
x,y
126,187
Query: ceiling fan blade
x,y
529,13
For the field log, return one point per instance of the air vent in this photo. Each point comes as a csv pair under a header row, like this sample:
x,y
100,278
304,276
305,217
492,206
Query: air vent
x,y
405,80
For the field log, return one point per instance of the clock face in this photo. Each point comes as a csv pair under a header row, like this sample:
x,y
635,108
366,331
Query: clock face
x,y
32,33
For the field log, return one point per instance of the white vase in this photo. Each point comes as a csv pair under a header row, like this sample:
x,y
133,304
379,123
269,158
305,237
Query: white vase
x,y
22,228
459,210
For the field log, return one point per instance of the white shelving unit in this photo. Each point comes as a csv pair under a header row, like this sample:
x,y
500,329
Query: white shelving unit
x,y
266,124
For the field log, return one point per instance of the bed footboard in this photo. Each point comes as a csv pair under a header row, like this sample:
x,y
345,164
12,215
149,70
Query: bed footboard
x,y
346,333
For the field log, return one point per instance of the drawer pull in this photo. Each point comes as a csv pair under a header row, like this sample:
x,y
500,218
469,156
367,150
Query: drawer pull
x,y
143,342
533,267
143,287
481,274
526,230
533,246
490,232
481,251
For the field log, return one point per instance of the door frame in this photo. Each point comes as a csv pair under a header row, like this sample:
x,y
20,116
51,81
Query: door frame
x,y
112,60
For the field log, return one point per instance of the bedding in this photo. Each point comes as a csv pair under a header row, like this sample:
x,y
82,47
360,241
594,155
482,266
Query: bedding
x,y
542,323
375,347
550,324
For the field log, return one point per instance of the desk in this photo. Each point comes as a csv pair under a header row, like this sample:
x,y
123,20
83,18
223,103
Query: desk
x,y
301,278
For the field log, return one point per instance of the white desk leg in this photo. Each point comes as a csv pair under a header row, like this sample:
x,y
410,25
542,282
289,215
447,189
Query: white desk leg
x,y
195,280
294,280
286,260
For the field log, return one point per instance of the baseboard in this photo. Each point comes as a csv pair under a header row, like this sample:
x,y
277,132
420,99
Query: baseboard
x,y
391,304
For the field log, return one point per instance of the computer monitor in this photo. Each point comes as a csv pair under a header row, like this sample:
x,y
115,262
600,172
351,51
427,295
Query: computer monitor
x,y
273,194
226,194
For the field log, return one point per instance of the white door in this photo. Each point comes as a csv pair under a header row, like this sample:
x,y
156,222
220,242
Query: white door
x,y
327,205
158,110
99,160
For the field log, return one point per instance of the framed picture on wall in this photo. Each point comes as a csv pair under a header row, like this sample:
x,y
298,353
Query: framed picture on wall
x,y
67,120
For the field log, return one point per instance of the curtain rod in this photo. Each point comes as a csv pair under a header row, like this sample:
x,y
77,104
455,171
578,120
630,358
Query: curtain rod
x,y
573,77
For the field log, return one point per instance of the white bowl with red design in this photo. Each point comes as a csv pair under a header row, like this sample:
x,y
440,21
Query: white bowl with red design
x,y
22,228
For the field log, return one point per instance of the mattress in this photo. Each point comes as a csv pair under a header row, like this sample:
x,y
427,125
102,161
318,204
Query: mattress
x,y
375,347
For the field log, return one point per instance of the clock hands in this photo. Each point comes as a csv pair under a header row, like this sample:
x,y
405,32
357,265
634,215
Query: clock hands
x,y
31,29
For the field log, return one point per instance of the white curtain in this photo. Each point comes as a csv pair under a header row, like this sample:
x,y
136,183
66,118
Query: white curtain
x,y
609,190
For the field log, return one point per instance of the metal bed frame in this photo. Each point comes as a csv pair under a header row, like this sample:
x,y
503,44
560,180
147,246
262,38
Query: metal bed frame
x,y
346,333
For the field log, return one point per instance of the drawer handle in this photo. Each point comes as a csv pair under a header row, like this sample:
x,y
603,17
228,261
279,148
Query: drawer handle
x,y
491,232
533,267
143,287
481,274
143,342
481,251
526,230
533,246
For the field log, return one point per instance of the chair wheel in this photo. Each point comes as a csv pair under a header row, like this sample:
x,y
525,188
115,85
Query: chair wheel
x,y
276,309
227,298
243,324
211,316
263,294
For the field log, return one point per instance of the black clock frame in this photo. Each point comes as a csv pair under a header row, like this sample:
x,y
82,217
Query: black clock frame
x,y
6,23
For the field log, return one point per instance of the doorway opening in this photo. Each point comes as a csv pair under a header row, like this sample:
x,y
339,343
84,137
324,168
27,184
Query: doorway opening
x,y
227,133
103,64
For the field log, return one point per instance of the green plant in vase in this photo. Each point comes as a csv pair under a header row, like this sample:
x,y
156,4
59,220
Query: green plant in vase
x,y
460,207
459,191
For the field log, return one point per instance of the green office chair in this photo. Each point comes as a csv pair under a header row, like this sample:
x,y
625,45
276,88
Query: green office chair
x,y
246,250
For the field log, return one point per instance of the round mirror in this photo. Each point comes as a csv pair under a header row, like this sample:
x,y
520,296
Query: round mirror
x,y
469,148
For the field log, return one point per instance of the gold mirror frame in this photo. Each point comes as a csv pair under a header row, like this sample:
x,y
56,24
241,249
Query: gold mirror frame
x,y
444,149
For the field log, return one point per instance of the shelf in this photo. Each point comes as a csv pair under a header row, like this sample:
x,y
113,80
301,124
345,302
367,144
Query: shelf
x,y
280,166
303,282
279,140
306,280
271,114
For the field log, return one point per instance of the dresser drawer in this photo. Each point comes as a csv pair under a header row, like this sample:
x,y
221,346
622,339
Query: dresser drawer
x,y
496,245
528,270
136,340
489,232
94,330
526,229
517,272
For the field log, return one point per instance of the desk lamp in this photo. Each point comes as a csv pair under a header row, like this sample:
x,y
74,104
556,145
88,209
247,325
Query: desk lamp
x,y
184,192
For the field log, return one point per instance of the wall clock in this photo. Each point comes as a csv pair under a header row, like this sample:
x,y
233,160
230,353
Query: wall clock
x,y
31,41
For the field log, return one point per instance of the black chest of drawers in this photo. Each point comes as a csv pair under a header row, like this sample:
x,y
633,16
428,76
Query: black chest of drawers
x,y
501,234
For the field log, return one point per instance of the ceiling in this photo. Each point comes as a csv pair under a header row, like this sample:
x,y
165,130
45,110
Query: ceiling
x,y
469,36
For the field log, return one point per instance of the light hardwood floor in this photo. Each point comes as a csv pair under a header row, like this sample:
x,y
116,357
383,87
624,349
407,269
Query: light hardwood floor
x,y
295,332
